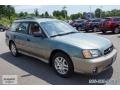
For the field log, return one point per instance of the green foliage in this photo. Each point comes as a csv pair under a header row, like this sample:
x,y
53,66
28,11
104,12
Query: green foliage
x,y
8,14
98,12
6,11
36,12
5,21
76,16
60,14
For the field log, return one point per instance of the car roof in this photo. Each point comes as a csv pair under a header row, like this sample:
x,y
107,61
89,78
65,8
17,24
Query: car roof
x,y
95,19
113,17
34,19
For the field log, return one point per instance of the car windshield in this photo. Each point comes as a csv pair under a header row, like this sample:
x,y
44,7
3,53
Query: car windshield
x,y
97,20
55,28
116,19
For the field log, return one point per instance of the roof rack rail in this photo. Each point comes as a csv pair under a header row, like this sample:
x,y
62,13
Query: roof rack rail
x,y
27,18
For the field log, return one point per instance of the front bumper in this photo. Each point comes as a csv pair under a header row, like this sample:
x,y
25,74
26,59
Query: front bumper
x,y
94,66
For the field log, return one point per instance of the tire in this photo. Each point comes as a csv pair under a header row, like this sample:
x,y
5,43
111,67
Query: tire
x,y
79,29
1,30
62,65
13,49
117,30
86,30
103,31
95,29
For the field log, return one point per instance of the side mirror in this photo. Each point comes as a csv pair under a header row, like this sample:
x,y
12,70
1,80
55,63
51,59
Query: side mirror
x,y
38,35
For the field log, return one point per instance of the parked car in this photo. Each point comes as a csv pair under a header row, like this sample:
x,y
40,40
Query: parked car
x,y
92,24
59,44
2,28
79,24
110,24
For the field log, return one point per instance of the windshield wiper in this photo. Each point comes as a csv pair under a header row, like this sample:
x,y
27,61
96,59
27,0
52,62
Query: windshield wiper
x,y
63,34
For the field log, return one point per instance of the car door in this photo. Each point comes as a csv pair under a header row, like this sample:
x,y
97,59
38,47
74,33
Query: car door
x,y
20,36
38,46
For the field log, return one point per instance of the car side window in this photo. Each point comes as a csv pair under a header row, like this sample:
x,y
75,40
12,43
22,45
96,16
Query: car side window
x,y
14,26
34,28
116,19
22,28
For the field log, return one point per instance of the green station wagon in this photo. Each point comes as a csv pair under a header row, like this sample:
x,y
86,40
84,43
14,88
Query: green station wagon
x,y
57,43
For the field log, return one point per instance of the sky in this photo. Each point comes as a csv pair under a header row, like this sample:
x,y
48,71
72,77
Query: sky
x,y
70,8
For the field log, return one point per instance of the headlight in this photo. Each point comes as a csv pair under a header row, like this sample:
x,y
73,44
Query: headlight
x,y
91,53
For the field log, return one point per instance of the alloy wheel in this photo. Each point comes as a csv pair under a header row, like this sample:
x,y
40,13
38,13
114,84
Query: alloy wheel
x,y
13,49
61,65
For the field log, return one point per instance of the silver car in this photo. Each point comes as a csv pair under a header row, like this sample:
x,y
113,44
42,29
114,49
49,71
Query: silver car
x,y
57,43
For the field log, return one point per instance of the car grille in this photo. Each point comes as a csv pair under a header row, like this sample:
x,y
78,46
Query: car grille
x,y
108,50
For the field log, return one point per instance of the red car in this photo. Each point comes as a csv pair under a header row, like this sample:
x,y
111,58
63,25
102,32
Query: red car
x,y
110,24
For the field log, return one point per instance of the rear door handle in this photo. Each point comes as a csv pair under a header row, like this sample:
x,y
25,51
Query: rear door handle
x,y
28,39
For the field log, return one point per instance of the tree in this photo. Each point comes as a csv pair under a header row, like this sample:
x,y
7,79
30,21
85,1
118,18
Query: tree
x,y
60,14
6,11
9,11
64,12
76,16
98,12
2,10
36,12
56,13
21,14
46,14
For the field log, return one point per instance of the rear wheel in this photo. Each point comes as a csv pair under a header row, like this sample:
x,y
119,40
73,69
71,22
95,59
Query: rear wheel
x,y
117,30
62,65
103,31
13,49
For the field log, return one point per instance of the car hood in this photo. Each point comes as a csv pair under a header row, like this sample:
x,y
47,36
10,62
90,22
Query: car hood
x,y
85,41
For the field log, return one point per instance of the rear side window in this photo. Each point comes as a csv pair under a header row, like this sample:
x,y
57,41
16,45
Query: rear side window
x,y
14,26
107,19
22,28
79,21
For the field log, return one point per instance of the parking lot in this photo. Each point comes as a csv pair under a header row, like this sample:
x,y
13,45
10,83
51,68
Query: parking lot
x,y
32,71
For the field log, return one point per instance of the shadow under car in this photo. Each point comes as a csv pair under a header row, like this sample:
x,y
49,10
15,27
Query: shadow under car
x,y
45,72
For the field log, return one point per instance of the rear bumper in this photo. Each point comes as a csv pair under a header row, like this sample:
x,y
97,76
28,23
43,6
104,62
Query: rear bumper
x,y
94,66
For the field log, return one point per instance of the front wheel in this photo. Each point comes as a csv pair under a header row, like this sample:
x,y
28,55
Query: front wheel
x,y
79,28
95,29
62,65
1,30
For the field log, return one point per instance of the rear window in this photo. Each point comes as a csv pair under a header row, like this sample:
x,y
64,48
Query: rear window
x,y
116,19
